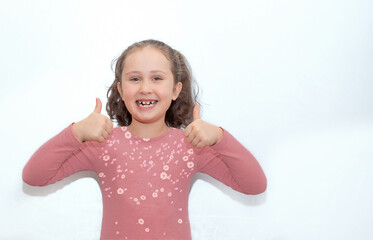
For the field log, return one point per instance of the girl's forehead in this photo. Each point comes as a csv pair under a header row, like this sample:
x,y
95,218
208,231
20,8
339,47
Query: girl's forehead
x,y
146,59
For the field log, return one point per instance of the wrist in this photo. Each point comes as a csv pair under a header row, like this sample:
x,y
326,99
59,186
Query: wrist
x,y
76,131
220,135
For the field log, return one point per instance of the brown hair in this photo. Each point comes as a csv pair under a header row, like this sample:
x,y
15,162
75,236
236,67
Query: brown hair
x,y
180,112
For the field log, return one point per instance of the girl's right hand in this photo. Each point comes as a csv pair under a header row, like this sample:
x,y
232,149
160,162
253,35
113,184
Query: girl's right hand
x,y
96,127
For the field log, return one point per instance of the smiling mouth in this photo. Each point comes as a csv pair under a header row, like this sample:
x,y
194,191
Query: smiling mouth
x,y
146,103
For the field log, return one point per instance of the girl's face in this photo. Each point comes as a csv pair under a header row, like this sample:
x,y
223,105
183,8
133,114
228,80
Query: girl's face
x,y
148,85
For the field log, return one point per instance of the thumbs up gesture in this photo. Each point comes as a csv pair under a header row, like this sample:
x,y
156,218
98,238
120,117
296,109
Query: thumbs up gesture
x,y
96,127
200,133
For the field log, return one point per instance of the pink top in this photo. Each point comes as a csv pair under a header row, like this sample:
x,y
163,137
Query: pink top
x,y
145,182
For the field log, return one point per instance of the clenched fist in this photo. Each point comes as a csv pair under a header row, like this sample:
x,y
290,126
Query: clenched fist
x,y
96,127
200,133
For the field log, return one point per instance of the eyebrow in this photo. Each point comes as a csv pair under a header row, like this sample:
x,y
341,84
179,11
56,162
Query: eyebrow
x,y
154,71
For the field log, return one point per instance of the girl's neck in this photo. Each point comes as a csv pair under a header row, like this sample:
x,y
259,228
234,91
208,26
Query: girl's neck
x,y
147,130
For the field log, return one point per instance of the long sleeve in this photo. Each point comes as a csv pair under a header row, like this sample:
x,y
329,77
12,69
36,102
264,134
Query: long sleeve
x,y
59,157
231,163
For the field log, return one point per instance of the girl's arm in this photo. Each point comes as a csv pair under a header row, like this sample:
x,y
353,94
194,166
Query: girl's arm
x,y
231,163
59,157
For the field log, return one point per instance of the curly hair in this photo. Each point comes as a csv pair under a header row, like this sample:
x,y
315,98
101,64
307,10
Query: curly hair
x,y
180,112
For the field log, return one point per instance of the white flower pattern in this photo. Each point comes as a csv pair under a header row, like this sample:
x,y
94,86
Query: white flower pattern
x,y
190,164
163,175
120,191
128,135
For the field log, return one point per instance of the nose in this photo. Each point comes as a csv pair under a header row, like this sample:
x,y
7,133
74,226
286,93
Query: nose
x,y
145,87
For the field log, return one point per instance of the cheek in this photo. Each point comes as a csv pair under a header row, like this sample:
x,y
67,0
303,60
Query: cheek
x,y
166,94
168,90
128,92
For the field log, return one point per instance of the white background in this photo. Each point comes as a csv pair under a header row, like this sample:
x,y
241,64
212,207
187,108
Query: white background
x,y
291,80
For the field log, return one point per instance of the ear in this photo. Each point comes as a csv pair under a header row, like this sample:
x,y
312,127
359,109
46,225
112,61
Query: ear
x,y
119,89
177,90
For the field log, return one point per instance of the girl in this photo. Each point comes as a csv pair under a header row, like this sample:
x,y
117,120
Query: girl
x,y
146,164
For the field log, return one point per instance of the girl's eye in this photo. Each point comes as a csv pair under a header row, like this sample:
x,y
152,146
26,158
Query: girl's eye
x,y
136,79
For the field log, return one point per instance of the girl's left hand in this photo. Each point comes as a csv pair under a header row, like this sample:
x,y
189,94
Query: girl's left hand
x,y
200,133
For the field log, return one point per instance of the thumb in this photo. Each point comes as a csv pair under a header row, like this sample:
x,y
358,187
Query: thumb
x,y
98,106
196,114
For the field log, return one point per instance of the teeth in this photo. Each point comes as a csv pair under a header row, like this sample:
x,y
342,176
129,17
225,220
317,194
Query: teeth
x,y
143,103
